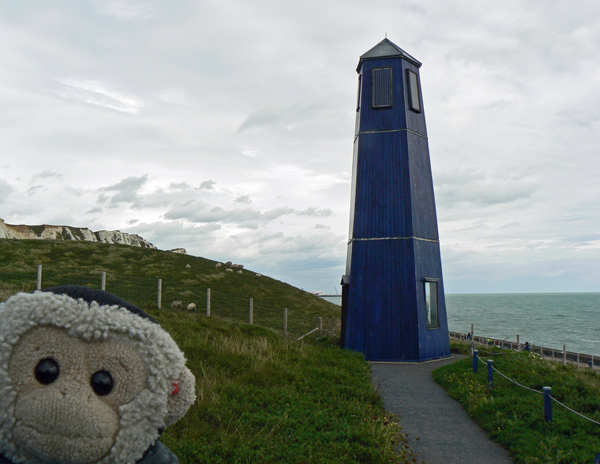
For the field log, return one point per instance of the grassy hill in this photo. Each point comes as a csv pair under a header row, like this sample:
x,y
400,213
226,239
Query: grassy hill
x,y
133,274
262,397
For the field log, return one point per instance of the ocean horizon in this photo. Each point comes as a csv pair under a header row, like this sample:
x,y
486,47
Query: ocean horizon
x,y
547,319
544,319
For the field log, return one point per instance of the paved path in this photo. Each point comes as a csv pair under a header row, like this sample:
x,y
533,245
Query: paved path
x,y
446,434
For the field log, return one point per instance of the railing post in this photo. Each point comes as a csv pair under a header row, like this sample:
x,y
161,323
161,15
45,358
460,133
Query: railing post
x,y
592,362
564,354
475,361
103,284
472,348
251,310
472,333
39,277
159,298
518,343
547,404
285,321
208,302
320,323
491,373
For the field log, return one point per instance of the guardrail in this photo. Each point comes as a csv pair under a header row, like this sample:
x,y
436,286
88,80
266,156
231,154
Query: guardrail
x,y
552,354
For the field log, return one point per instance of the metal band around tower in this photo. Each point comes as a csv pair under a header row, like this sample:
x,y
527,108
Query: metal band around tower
x,y
392,238
390,131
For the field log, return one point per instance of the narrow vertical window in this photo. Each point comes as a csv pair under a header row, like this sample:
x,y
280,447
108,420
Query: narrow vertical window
x,y
414,92
359,93
382,88
431,303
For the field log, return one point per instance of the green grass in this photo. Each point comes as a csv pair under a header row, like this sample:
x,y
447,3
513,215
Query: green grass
x,y
514,417
262,397
133,274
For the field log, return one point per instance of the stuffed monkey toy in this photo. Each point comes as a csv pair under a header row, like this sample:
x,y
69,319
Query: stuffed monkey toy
x,y
87,378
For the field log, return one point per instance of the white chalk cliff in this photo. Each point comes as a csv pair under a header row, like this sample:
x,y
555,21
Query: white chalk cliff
x,y
46,232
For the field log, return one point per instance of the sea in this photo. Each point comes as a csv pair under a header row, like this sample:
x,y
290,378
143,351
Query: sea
x,y
543,319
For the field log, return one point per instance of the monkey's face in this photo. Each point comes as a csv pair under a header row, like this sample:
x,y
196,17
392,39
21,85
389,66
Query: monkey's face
x,y
69,393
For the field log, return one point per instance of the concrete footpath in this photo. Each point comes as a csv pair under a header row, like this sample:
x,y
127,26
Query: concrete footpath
x,y
439,430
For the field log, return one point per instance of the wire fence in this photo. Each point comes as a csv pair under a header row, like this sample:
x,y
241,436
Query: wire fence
x,y
150,293
546,392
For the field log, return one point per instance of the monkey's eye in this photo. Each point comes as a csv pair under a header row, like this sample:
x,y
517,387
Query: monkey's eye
x,y
47,371
102,383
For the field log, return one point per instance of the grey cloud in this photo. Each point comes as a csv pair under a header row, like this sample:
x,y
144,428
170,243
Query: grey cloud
x,y
248,218
126,9
97,209
287,117
5,190
482,189
197,240
208,185
582,239
34,189
126,190
315,212
47,174
98,94
179,186
243,199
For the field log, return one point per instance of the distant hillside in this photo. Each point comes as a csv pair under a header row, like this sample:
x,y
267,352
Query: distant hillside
x,y
133,273
48,232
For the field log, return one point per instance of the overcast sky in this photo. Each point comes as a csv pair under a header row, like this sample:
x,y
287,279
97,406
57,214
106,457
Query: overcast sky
x,y
226,127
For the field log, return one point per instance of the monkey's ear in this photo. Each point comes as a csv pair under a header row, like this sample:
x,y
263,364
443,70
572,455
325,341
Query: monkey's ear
x,y
182,396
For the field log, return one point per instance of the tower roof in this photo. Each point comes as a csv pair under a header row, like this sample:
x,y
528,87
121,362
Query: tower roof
x,y
386,49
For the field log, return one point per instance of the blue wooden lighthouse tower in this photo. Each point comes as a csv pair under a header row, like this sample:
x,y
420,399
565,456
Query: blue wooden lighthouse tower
x,y
393,305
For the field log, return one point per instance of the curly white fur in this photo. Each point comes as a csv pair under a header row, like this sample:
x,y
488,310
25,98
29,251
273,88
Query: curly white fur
x,y
140,419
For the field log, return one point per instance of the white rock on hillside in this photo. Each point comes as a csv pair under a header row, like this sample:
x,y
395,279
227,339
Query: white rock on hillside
x,y
48,232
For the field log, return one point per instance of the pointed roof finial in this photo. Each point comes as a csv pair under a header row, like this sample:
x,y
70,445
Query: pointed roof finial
x,y
387,49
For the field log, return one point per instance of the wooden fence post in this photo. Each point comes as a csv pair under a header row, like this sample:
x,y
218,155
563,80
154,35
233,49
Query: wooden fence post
x,y
285,321
518,343
103,284
251,310
39,277
320,323
564,354
159,299
208,302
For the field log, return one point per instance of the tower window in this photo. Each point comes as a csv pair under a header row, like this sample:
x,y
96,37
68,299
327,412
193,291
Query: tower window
x,y
382,87
414,92
359,93
431,303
